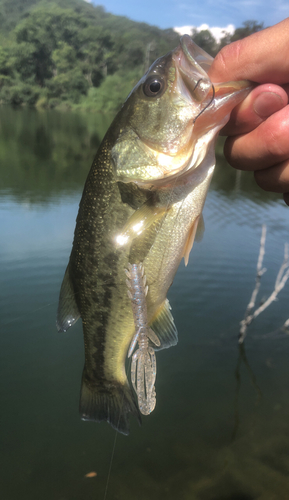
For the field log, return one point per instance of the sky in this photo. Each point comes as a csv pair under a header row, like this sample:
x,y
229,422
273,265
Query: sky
x,y
213,13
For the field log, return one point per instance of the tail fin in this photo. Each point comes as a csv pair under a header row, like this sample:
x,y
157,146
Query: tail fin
x,y
111,402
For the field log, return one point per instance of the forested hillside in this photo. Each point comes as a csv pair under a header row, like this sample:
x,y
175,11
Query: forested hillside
x,y
71,53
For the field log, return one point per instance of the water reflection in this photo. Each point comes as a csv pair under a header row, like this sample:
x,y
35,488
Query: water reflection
x,y
242,360
43,154
48,152
237,183
185,448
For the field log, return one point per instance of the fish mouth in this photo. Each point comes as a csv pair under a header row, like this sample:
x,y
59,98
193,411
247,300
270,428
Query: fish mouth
x,y
193,63
195,55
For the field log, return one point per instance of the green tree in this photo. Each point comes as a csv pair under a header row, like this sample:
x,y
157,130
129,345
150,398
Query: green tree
x,y
225,40
248,28
40,34
68,86
55,51
63,58
206,41
97,54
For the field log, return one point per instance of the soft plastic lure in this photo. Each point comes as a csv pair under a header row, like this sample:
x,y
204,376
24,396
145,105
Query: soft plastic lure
x,y
143,365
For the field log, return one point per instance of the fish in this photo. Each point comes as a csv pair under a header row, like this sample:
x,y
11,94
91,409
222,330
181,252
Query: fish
x,y
138,216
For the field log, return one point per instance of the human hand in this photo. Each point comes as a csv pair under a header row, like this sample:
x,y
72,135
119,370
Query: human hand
x,y
258,129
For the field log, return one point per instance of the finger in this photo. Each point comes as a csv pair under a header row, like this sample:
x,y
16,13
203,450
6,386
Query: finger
x,y
262,102
275,178
263,147
286,198
286,88
262,57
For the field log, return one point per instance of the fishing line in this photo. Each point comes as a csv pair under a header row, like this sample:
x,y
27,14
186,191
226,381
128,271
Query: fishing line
x,y
115,438
209,103
29,313
110,464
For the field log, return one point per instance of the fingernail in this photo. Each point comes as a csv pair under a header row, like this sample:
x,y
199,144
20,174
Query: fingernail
x,y
267,103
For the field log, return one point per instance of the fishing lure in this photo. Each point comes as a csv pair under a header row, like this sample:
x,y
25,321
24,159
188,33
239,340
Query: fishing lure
x,y
143,365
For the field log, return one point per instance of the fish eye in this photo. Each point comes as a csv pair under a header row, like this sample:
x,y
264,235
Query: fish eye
x,y
153,87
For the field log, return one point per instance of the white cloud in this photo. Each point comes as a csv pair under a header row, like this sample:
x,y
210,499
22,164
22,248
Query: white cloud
x,y
217,32
184,30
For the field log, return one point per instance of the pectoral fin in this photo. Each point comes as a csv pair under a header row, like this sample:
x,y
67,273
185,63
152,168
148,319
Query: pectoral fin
x,y
164,327
142,218
200,229
190,240
67,313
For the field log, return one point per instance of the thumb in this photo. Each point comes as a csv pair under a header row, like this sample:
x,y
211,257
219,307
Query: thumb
x,y
261,103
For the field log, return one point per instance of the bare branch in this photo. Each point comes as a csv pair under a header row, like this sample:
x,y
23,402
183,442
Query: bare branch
x,y
273,295
280,282
260,272
284,265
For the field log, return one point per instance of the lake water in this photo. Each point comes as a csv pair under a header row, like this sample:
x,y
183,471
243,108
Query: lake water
x,y
220,430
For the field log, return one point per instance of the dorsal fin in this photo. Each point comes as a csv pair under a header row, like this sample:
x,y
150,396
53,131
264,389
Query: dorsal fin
x,y
67,312
164,327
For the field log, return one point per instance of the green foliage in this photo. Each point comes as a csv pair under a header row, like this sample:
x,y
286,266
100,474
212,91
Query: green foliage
x,y
249,27
21,93
206,41
63,58
43,32
68,86
6,62
111,94
74,53
225,40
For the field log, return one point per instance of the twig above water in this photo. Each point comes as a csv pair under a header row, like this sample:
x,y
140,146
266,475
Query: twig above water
x,y
280,282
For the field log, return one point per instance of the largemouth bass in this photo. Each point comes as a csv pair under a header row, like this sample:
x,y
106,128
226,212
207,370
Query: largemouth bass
x,y
137,219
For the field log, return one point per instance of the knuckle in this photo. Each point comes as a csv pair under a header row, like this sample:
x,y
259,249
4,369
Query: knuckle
x,y
220,59
228,54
